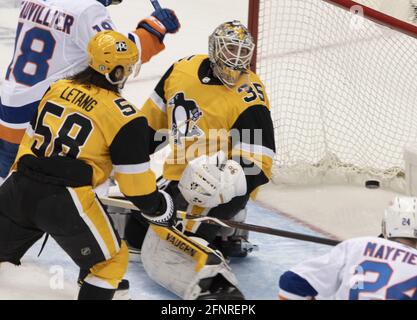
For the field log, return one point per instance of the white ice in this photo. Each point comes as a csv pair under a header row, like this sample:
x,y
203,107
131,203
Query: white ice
x,y
53,275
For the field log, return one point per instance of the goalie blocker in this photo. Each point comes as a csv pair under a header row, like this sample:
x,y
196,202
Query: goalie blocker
x,y
187,266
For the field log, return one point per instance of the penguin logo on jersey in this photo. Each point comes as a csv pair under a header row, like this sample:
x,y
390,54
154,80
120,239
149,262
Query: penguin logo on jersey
x,y
185,115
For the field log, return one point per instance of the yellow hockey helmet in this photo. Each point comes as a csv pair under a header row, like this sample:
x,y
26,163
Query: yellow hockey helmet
x,y
108,50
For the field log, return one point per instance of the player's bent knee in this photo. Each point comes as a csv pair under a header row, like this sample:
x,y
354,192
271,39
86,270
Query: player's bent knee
x,y
109,273
187,266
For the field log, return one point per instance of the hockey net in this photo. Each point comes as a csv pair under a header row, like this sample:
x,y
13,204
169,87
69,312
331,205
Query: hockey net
x,y
343,88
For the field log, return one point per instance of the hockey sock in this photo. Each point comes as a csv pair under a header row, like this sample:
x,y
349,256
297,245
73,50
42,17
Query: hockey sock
x,y
90,292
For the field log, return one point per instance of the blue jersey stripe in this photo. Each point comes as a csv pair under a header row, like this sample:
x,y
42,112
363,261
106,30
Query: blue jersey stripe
x,y
18,115
293,283
131,37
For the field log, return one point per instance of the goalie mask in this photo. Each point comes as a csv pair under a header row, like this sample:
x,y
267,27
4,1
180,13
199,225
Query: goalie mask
x,y
400,219
230,51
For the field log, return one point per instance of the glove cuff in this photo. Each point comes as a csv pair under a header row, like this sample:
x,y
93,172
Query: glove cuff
x,y
153,26
163,217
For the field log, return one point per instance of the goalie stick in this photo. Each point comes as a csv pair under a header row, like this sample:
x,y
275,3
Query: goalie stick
x,y
257,228
125,204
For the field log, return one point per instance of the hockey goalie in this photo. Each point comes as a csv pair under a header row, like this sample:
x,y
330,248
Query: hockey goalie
x,y
215,114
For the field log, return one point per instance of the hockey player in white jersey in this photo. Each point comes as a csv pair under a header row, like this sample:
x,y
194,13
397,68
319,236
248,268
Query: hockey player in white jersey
x,y
51,44
363,268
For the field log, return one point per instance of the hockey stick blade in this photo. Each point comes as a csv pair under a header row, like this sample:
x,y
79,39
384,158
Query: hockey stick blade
x,y
125,204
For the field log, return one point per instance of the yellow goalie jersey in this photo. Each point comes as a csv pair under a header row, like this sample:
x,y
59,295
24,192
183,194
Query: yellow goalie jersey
x,y
98,127
200,115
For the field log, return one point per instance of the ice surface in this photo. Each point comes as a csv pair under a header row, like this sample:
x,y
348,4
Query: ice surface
x,y
53,275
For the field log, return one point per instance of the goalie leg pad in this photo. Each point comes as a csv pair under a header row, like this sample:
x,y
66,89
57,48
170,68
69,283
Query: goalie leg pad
x,y
184,265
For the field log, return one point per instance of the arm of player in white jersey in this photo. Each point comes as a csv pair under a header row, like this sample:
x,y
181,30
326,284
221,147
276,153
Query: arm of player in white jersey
x,y
96,18
92,20
294,287
321,274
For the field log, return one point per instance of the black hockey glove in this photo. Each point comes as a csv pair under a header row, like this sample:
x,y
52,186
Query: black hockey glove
x,y
166,216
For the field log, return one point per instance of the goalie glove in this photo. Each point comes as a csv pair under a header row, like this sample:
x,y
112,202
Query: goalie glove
x,y
210,181
166,216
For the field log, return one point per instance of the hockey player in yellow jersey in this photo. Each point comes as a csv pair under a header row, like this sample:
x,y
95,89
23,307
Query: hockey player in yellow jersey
x,y
51,43
83,130
215,113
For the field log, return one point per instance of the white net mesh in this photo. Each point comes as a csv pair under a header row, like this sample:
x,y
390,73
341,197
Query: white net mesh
x,y
343,92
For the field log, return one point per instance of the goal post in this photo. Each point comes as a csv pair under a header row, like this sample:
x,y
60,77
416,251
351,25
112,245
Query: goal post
x,y
253,22
342,81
